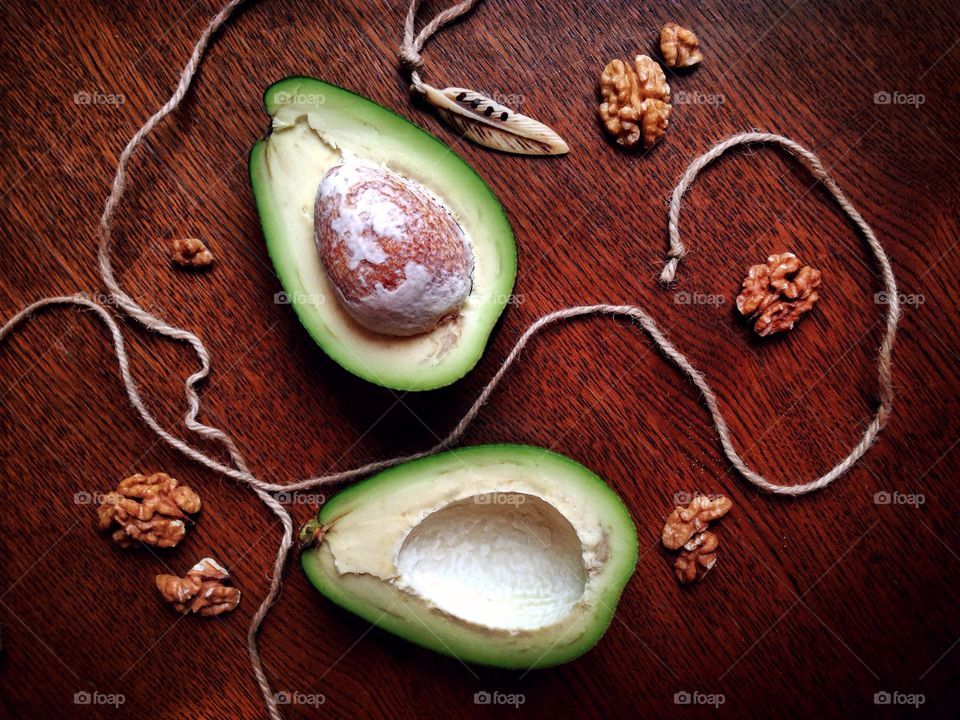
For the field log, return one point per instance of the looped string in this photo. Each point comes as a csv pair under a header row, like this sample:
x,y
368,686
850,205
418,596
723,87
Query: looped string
x,y
238,469
410,59
885,353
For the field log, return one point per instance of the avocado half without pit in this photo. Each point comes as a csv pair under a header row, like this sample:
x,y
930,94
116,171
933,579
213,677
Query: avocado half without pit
x,y
396,256
504,555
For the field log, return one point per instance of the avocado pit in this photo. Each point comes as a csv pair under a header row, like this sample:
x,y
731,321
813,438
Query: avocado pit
x,y
397,259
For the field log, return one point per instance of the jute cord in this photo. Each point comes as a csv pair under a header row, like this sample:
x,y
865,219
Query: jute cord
x,y
238,469
413,42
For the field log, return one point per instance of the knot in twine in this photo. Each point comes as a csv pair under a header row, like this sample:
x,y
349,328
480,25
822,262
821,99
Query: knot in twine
x,y
411,62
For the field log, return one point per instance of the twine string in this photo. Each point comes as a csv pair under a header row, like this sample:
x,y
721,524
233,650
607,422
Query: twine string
x,y
238,469
410,59
884,355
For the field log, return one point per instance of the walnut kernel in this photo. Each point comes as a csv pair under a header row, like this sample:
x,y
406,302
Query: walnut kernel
x,y
698,557
686,521
191,253
148,509
779,293
679,46
635,108
202,591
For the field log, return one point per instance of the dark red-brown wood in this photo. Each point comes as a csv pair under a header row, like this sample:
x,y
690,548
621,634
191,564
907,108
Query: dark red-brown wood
x,y
816,604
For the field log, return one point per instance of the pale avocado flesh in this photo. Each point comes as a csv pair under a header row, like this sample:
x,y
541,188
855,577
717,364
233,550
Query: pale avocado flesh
x,y
315,126
503,555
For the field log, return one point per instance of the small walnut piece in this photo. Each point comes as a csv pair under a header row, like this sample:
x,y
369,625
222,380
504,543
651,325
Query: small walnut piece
x,y
635,108
686,528
698,557
148,509
686,521
679,46
779,293
191,253
202,591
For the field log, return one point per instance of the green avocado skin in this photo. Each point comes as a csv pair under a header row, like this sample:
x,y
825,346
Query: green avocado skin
x,y
481,649
441,166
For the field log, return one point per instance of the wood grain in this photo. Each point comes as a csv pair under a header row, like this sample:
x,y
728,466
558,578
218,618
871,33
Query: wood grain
x,y
817,603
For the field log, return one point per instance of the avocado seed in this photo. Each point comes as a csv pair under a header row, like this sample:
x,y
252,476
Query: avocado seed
x,y
398,261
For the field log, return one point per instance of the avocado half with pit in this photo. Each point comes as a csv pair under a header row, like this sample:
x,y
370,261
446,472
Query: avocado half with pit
x,y
504,555
317,127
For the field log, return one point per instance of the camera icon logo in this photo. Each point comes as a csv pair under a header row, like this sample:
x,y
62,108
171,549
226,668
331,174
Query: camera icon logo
x,y
882,498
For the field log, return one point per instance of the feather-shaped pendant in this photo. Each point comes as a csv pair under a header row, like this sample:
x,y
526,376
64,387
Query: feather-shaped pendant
x,y
488,123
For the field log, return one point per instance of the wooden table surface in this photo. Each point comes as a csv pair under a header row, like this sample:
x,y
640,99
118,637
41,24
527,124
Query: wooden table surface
x,y
816,604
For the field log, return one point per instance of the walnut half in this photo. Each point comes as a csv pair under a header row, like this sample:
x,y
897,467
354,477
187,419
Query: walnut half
x,y
686,529
202,591
686,521
779,293
698,557
191,254
635,108
148,509
679,46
